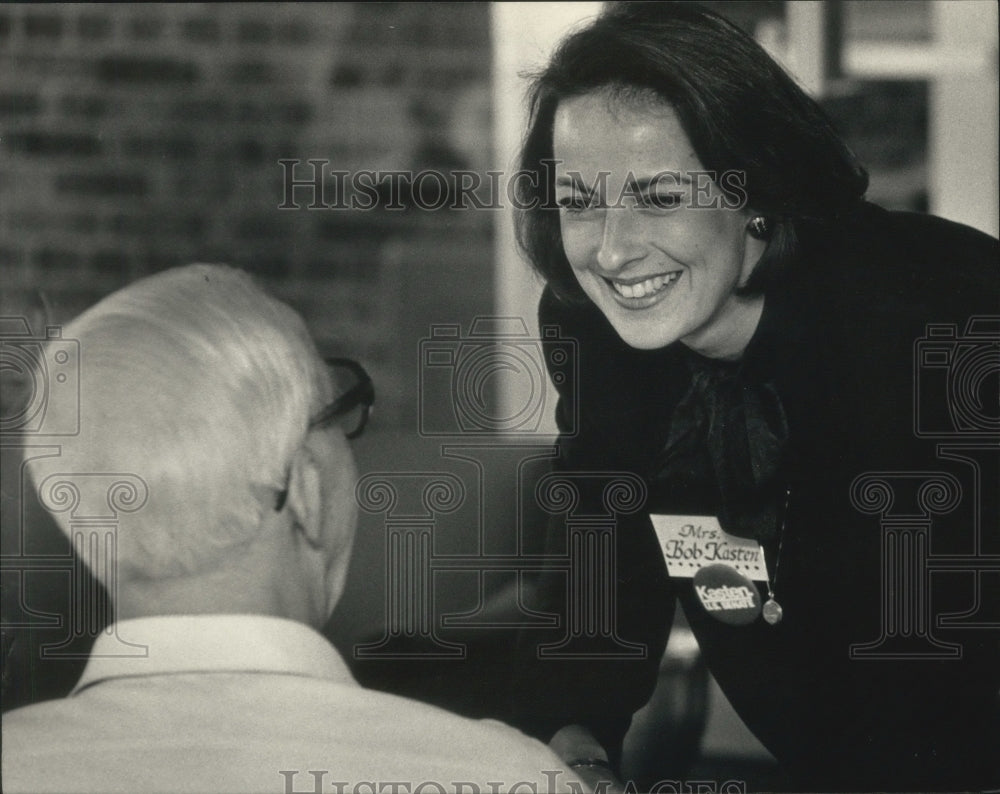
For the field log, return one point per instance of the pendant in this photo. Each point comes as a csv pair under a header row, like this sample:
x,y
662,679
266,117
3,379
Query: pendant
x,y
772,611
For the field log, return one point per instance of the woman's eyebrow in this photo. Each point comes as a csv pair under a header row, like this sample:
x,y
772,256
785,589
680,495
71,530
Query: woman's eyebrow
x,y
667,178
575,180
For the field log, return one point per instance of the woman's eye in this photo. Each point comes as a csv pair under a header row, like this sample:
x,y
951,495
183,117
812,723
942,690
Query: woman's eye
x,y
660,201
575,203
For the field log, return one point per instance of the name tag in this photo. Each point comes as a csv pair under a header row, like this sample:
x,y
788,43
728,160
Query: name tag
x,y
690,543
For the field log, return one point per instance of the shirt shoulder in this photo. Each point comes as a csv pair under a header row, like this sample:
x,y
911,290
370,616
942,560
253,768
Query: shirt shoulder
x,y
243,731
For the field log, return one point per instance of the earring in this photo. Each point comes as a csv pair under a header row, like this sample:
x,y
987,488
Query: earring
x,y
758,227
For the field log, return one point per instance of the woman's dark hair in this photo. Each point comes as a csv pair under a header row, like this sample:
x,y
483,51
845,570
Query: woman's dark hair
x,y
738,107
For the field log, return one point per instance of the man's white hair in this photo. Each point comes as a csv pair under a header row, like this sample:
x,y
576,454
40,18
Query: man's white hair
x,y
202,385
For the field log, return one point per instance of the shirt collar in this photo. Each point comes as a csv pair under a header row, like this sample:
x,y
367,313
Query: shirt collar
x,y
171,644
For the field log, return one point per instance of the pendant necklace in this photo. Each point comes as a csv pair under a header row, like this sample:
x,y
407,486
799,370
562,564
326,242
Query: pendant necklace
x,y
772,610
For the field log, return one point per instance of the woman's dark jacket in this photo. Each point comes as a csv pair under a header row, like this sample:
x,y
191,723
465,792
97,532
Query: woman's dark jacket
x,y
882,347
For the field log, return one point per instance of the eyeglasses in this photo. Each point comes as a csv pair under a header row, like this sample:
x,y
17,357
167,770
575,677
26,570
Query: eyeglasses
x,y
353,407
350,410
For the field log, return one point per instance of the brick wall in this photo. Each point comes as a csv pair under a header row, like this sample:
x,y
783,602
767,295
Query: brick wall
x,y
141,136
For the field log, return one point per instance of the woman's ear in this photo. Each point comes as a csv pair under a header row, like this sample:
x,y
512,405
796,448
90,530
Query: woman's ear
x,y
305,494
758,230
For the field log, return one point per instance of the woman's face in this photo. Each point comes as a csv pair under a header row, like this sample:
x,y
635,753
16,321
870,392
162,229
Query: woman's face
x,y
656,243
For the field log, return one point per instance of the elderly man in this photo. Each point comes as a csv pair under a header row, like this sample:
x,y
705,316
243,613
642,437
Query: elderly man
x,y
211,396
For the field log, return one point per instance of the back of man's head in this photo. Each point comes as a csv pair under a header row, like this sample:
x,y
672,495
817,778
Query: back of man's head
x,y
198,387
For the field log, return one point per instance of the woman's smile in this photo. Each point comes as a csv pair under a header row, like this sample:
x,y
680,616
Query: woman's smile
x,y
643,292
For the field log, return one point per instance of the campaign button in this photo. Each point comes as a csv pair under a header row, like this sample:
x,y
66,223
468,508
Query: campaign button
x,y
727,595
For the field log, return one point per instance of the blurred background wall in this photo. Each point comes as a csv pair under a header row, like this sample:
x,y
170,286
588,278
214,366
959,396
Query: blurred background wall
x,y
143,136
136,137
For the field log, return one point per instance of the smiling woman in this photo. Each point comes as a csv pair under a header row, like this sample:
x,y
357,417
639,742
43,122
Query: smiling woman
x,y
745,325
664,263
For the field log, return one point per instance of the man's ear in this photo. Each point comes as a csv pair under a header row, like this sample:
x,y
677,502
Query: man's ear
x,y
305,496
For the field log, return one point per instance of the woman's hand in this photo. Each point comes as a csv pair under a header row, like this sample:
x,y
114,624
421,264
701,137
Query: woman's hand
x,y
585,756
599,779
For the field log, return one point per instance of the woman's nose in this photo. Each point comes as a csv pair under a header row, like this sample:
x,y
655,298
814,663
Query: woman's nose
x,y
620,243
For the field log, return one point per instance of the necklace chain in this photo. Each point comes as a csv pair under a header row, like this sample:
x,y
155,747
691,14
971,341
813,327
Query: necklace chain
x,y
772,581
